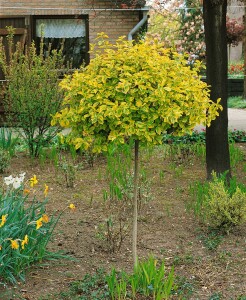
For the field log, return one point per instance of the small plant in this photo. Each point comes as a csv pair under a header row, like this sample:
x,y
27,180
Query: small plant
x,y
4,160
113,232
216,296
69,169
8,141
184,287
236,155
211,240
91,287
117,284
148,279
219,205
237,136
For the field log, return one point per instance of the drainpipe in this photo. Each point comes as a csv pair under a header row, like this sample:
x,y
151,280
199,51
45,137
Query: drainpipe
x,y
140,23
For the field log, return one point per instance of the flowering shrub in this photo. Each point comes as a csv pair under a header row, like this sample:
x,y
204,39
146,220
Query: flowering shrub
x,y
25,228
234,31
236,69
191,38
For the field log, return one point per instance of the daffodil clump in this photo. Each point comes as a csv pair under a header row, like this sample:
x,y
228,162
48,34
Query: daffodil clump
x,y
25,226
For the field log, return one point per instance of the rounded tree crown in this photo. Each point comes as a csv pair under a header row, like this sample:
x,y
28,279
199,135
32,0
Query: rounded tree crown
x,y
137,90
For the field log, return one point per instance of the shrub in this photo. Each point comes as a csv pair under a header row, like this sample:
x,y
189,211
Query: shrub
x,y
223,210
32,94
218,205
25,229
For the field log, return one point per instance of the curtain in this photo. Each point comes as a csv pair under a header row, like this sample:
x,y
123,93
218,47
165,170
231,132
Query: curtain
x,y
60,28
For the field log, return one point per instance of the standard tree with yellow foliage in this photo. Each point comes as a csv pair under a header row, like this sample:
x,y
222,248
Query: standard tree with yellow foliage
x,y
133,90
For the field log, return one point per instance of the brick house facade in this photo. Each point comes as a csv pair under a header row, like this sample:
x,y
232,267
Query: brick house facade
x,y
79,21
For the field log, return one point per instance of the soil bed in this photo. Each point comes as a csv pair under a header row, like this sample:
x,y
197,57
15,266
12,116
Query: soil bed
x,y
165,230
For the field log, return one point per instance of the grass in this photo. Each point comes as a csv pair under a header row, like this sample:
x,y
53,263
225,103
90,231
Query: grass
x,y
236,102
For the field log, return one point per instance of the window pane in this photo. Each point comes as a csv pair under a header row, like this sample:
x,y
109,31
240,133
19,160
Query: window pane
x,y
70,33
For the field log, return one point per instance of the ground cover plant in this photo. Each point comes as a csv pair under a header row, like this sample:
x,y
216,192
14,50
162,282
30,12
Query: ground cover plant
x,y
207,263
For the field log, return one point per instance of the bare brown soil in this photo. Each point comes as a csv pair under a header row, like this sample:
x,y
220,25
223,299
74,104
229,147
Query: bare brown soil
x,y
166,230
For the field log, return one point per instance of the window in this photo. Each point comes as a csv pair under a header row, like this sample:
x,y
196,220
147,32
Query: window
x,y
68,31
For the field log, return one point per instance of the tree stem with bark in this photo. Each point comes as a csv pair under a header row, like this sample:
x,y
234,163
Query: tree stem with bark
x,y
135,203
217,146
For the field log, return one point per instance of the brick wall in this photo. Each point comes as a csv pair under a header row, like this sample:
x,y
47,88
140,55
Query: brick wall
x,y
106,16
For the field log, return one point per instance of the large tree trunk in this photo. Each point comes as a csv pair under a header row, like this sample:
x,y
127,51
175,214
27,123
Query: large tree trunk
x,y
217,147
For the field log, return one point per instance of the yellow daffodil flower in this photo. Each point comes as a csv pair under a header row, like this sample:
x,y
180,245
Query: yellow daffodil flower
x,y
14,244
3,220
1,247
71,206
46,189
45,218
26,192
24,242
33,181
39,223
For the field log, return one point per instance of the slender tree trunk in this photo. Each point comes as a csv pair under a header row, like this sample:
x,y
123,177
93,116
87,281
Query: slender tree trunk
x,y
217,147
135,204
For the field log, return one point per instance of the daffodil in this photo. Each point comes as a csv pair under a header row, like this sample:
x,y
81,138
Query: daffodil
x,y
16,182
71,206
14,244
33,181
8,180
45,218
22,176
46,189
3,220
26,192
24,242
39,223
